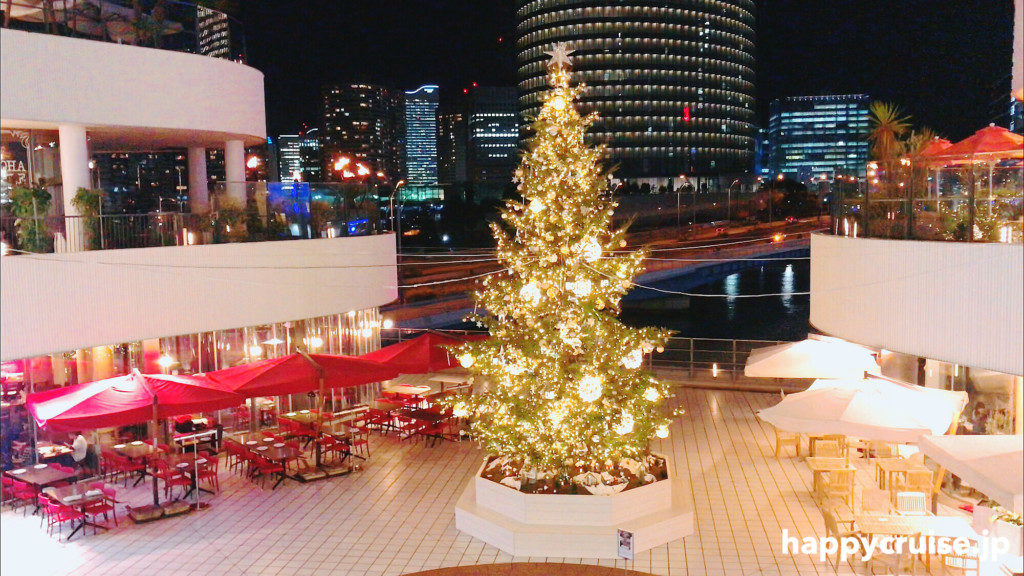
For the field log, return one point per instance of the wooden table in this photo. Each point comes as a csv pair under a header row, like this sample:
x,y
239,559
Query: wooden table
x,y
886,468
888,525
449,379
304,417
188,464
138,450
819,465
281,454
41,477
408,389
77,495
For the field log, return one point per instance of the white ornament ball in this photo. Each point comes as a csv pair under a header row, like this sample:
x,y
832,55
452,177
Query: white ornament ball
x,y
633,360
625,426
466,360
581,288
592,250
460,411
590,388
651,394
558,103
661,432
536,206
530,292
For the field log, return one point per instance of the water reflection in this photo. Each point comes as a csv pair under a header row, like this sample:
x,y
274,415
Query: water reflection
x,y
769,318
787,286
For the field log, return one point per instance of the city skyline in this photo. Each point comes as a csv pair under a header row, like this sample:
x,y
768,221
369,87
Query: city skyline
x,y
803,49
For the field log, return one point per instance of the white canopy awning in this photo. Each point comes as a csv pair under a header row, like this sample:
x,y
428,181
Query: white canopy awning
x,y
993,465
811,358
874,408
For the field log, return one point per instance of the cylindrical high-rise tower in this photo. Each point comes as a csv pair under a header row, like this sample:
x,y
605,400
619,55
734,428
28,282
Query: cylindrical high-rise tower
x,y
672,80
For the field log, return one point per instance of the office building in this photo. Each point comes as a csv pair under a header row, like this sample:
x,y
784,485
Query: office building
x,y
217,35
362,132
673,83
492,138
818,137
310,158
421,136
421,144
451,147
289,157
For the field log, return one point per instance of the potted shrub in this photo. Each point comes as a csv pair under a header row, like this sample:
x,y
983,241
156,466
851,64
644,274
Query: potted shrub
x,y
30,206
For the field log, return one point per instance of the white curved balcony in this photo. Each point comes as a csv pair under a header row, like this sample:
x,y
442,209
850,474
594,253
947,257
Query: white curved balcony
x,y
957,302
128,96
58,302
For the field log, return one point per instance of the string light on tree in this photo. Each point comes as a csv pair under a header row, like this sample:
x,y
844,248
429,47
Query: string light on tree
x,y
565,379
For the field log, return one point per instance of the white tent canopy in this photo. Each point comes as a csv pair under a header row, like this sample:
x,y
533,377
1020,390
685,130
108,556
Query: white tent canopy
x,y
812,358
873,408
993,465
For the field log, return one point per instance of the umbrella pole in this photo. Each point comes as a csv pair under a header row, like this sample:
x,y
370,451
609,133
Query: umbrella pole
x,y
320,411
156,432
940,474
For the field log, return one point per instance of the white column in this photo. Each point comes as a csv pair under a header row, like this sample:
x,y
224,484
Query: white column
x,y
234,171
198,187
74,174
74,163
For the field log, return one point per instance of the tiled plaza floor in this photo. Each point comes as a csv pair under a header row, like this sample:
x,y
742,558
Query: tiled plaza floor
x,y
397,514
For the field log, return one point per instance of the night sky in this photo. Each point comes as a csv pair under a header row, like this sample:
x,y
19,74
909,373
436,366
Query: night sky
x,y
946,62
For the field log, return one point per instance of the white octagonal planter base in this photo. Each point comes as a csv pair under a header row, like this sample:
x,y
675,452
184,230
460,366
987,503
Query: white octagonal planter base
x,y
572,525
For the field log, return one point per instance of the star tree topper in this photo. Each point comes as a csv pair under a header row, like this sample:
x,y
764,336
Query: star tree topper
x,y
560,56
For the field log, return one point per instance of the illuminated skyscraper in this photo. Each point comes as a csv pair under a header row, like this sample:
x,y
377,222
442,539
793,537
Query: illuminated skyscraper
x,y
421,136
289,158
673,82
818,136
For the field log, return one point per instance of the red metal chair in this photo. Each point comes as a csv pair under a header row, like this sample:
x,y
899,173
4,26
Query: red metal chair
x,y
25,493
105,506
59,514
266,468
210,471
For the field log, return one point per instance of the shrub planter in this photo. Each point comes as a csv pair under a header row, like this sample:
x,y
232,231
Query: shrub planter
x,y
573,525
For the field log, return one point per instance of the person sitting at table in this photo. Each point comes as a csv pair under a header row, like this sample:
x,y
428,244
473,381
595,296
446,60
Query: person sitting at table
x,y
80,450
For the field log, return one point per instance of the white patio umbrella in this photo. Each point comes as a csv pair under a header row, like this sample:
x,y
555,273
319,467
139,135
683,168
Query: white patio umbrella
x,y
993,465
811,358
872,408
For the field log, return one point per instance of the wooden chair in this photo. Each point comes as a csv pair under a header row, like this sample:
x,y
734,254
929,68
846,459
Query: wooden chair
x,y
833,530
878,449
921,481
875,500
960,564
827,449
783,439
912,504
838,485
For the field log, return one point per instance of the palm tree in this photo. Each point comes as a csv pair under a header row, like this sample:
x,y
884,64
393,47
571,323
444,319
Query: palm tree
x,y
888,125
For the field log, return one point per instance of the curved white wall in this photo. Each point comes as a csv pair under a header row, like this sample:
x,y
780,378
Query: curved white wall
x,y
59,302
50,80
952,301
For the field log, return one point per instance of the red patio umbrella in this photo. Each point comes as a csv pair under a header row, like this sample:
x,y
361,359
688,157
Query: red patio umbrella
x,y
124,400
992,142
934,148
422,354
294,374
128,399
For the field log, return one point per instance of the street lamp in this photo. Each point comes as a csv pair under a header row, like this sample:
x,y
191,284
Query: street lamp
x,y
728,201
391,212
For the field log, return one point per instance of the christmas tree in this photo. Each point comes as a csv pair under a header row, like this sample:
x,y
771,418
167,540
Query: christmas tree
x,y
565,386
